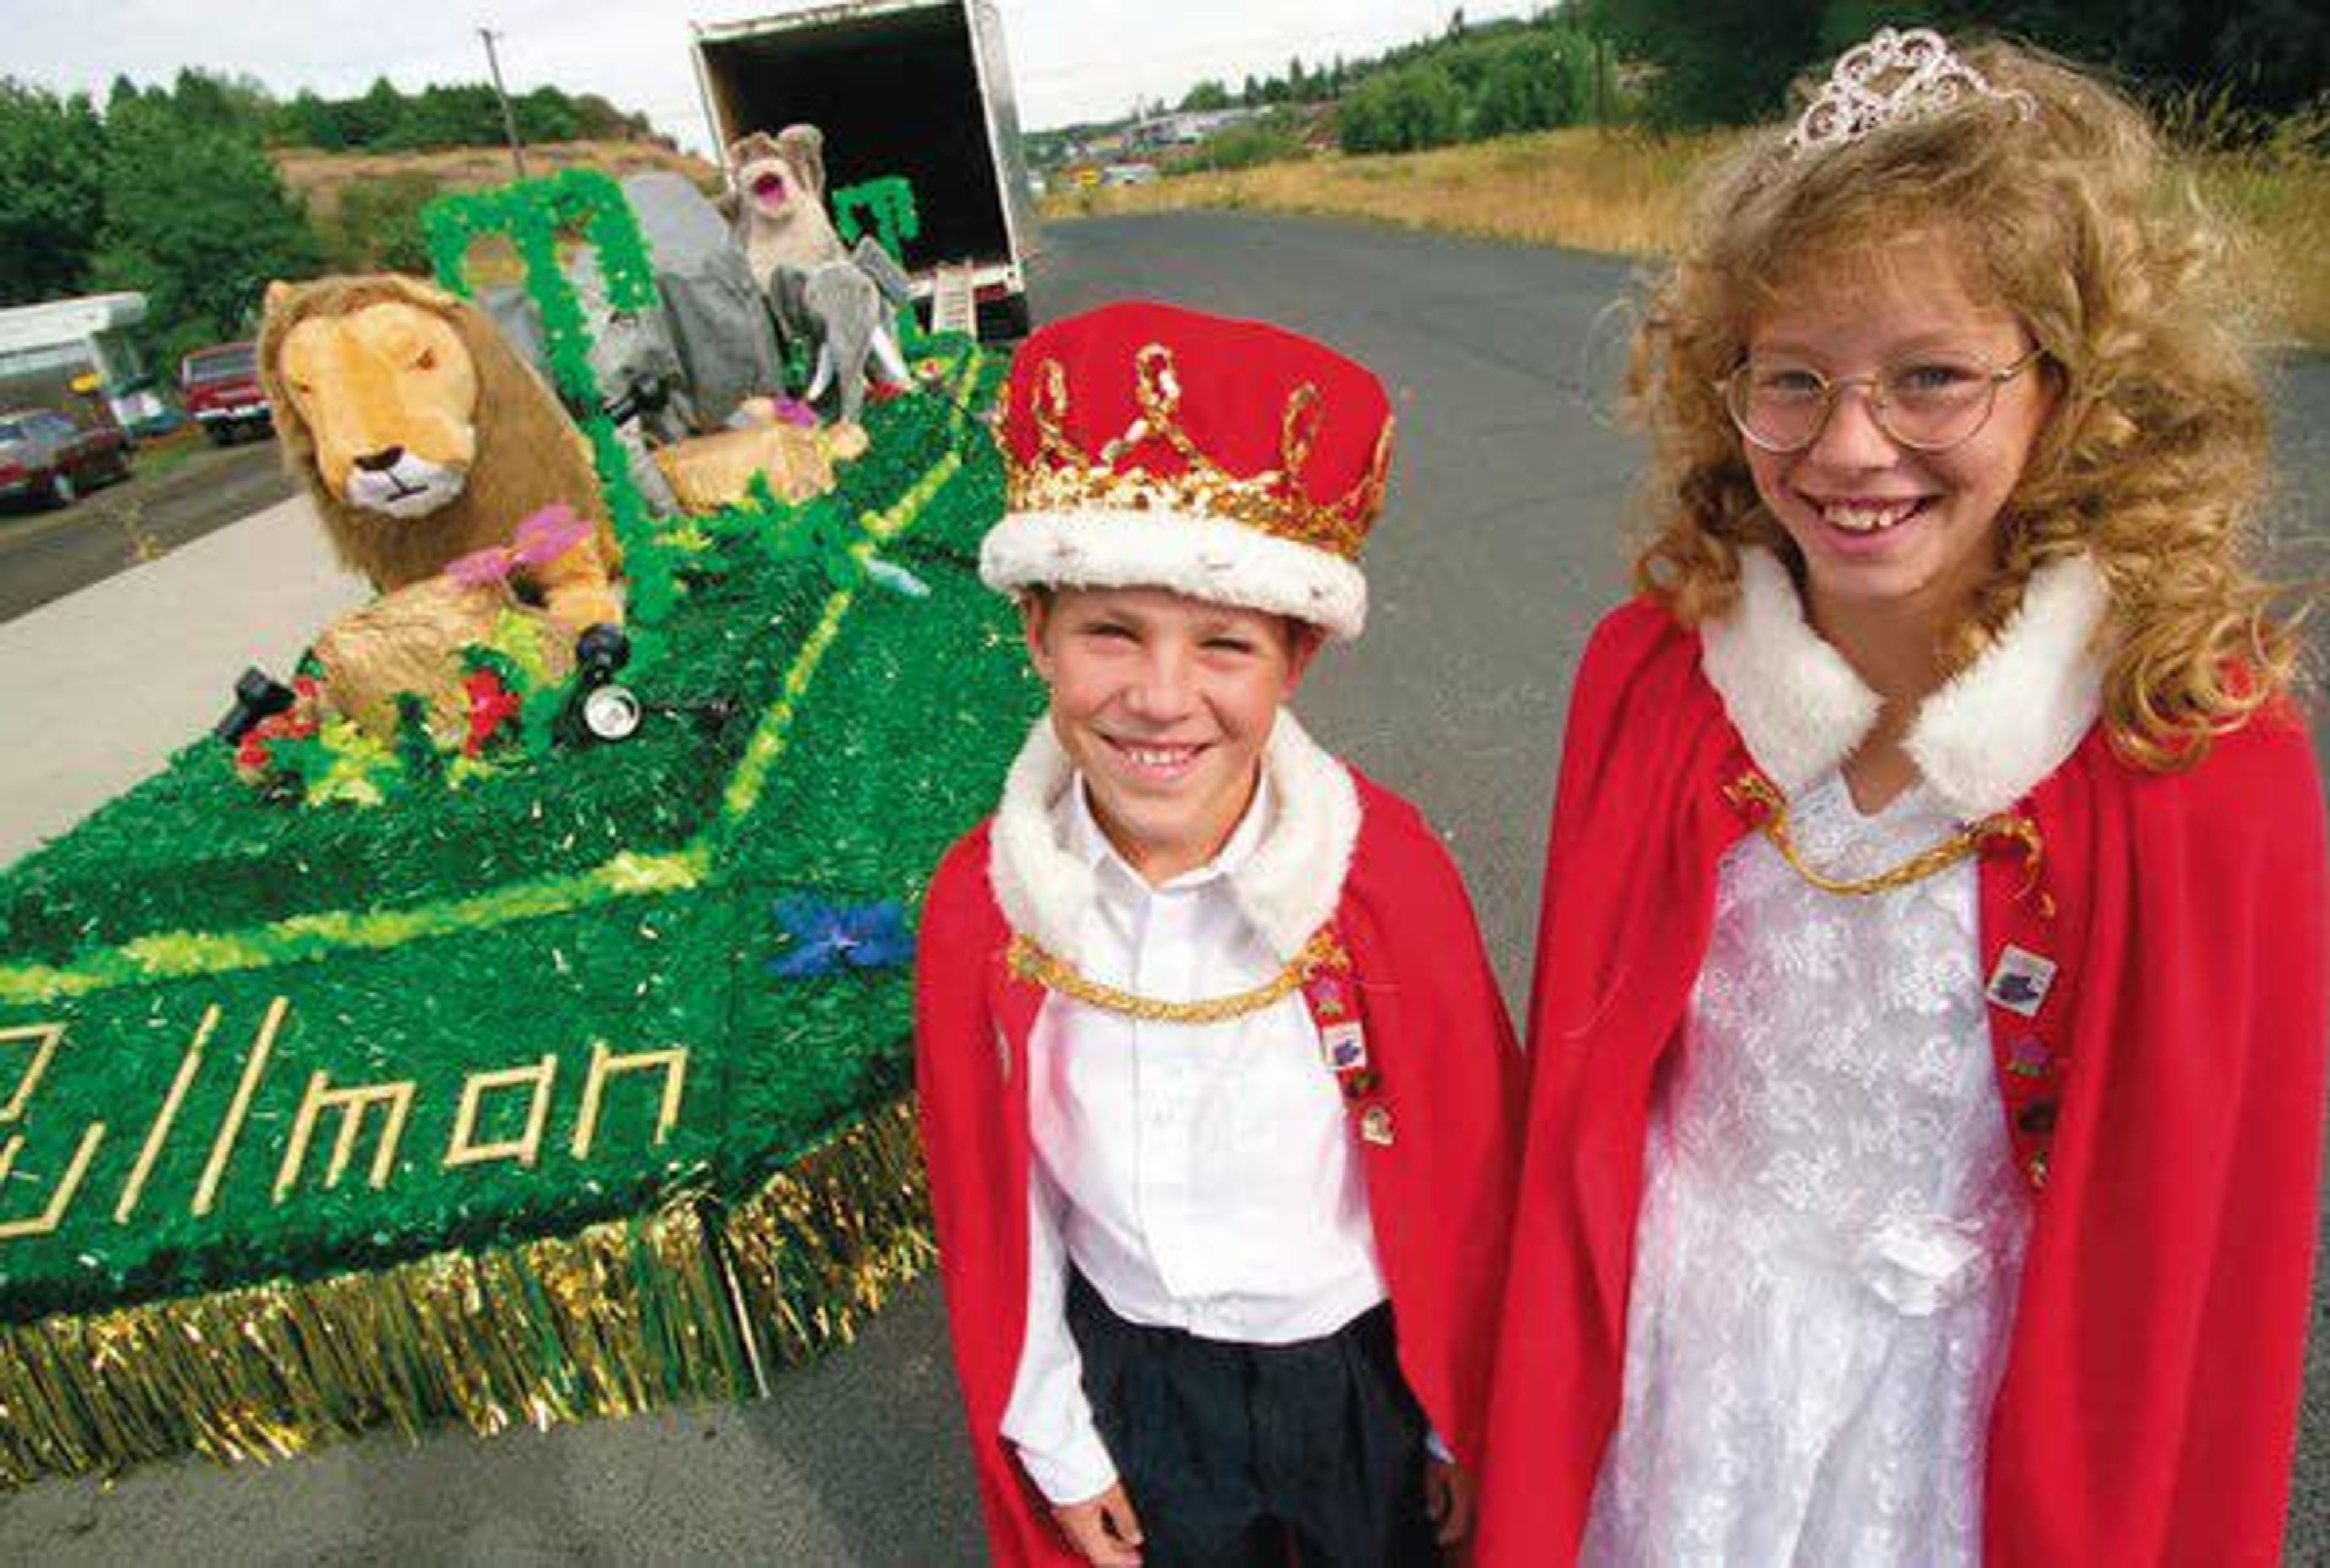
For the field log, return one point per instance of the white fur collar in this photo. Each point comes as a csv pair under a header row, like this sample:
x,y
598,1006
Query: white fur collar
x,y
1289,887
1982,741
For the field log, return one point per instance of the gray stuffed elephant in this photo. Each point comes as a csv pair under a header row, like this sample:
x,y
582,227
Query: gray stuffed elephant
x,y
846,308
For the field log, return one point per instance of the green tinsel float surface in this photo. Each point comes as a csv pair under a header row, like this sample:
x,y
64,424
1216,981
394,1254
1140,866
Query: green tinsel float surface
x,y
588,980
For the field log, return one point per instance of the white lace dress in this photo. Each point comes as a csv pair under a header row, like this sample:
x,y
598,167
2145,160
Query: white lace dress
x,y
1830,1231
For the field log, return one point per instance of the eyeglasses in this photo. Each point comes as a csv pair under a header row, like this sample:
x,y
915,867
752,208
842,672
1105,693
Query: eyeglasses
x,y
1930,403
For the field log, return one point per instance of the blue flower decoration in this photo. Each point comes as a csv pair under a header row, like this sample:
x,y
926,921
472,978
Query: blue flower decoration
x,y
836,938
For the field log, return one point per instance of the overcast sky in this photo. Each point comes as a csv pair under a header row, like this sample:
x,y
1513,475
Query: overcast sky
x,y
1072,60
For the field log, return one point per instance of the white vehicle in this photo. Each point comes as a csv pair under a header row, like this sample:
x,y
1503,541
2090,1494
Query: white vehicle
x,y
914,88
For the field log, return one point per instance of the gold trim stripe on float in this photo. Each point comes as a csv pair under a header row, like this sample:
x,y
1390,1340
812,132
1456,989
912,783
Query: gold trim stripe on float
x,y
172,1103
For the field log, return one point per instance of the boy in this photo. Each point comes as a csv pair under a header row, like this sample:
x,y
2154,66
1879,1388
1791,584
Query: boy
x,y
1213,1070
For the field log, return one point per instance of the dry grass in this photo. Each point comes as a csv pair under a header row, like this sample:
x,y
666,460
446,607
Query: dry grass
x,y
1621,191
320,176
1594,190
2285,204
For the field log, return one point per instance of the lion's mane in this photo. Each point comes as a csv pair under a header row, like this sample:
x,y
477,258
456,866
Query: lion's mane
x,y
529,455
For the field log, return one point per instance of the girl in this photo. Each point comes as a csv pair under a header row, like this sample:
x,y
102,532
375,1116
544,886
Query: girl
x,y
1928,1034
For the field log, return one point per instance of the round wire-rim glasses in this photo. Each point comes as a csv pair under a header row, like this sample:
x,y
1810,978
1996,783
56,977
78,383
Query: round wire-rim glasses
x,y
1930,403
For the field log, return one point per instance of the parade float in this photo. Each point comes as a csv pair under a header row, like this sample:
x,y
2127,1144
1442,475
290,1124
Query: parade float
x,y
530,1041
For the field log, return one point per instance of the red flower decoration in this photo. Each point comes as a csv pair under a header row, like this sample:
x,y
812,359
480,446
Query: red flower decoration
x,y
297,722
491,706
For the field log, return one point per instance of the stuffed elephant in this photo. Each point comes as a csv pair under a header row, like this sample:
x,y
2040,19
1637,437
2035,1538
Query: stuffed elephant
x,y
846,308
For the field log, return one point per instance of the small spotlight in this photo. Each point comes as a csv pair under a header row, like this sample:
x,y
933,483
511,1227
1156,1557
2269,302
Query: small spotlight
x,y
256,695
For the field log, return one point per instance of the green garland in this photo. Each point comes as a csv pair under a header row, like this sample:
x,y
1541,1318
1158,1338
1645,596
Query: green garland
x,y
531,215
888,203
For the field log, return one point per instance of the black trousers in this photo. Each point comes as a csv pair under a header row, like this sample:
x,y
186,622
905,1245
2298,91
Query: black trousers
x,y
1233,1453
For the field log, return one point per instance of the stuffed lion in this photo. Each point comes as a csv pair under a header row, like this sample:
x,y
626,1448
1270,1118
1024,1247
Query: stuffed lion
x,y
422,437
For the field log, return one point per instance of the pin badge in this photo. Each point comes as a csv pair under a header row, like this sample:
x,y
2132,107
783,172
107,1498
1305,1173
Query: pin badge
x,y
2020,982
1375,1125
2029,1059
1344,1046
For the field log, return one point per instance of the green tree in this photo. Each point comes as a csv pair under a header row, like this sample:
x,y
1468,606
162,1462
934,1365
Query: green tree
x,y
197,219
546,114
371,120
602,121
1239,146
1731,61
1206,96
1719,62
376,225
1528,85
1403,110
307,120
52,191
221,103
2266,55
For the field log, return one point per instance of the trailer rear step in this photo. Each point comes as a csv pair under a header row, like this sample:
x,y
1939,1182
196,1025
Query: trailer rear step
x,y
954,300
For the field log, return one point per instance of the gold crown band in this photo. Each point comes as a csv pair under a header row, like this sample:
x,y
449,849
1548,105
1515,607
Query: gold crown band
x,y
1063,477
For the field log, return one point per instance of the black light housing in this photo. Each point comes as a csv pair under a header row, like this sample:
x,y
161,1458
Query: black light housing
x,y
256,695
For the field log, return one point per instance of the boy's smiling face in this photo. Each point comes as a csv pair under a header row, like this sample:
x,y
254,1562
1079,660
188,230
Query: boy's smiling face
x,y
1164,703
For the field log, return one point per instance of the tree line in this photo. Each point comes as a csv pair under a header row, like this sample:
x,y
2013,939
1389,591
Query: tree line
x,y
1730,62
384,119
170,192
1696,63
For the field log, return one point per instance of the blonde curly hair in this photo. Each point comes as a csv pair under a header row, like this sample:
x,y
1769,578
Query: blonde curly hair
x,y
2154,460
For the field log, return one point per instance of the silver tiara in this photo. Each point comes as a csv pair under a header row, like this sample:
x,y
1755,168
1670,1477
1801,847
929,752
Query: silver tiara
x,y
1893,77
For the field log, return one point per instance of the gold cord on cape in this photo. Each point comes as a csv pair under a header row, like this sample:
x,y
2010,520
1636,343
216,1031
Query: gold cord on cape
x,y
1029,961
1756,794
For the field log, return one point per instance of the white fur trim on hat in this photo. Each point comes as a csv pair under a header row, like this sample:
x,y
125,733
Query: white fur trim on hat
x,y
1210,559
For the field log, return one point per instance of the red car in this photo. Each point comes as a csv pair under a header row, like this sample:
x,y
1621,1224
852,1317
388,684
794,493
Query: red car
x,y
220,388
44,454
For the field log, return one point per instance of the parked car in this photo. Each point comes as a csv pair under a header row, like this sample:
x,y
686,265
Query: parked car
x,y
44,454
220,386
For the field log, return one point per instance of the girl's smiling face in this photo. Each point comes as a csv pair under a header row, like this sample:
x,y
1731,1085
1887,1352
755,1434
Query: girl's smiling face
x,y
1883,527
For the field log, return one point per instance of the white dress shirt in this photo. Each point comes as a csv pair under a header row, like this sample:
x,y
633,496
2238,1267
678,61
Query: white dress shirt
x,y
1200,1177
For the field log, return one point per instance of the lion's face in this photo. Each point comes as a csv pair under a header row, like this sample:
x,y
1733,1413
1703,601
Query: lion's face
x,y
390,393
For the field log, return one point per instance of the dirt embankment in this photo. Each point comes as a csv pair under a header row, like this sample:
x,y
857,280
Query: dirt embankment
x,y
319,177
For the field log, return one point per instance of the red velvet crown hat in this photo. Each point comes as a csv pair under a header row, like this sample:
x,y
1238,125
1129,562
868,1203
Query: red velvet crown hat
x,y
1148,446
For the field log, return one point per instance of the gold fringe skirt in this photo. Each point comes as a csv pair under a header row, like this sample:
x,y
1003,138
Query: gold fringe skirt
x,y
697,1300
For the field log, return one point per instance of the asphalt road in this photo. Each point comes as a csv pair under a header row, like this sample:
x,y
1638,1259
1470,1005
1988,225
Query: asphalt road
x,y
46,553
1504,539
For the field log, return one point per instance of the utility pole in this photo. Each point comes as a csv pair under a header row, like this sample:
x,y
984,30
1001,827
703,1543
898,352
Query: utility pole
x,y
509,120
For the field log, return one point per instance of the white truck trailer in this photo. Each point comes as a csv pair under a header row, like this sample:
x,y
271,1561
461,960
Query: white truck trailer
x,y
918,89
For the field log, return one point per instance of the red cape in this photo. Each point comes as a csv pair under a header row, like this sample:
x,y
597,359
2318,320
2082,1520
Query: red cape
x,y
2146,1410
1439,1193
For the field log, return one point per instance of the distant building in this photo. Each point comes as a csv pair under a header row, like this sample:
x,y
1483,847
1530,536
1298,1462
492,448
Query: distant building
x,y
1185,127
50,351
